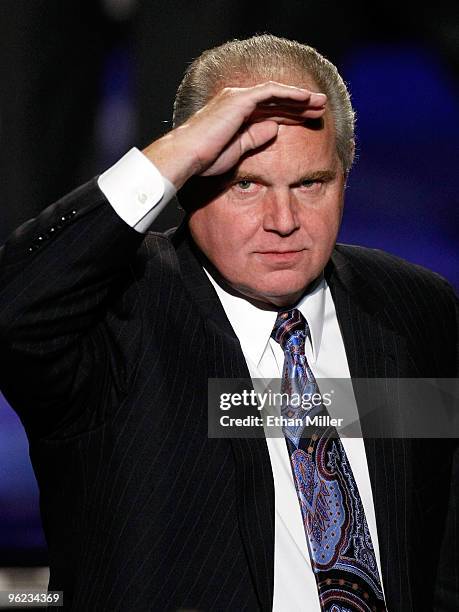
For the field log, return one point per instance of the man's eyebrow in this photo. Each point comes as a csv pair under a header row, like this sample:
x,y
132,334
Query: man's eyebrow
x,y
245,176
316,175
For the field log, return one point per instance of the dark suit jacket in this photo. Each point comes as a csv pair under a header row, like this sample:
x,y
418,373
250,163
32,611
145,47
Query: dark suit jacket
x,y
108,339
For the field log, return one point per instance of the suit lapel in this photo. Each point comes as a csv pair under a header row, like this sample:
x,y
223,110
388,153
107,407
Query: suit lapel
x,y
255,487
374,350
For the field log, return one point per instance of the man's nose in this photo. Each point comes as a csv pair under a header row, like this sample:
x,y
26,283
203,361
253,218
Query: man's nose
x,y
280,213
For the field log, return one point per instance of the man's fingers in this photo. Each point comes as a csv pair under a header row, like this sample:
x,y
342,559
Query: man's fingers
x,y
272,100
267,96
280,112
314,100
279,90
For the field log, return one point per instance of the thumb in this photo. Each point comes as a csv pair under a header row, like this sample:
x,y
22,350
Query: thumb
x,y
257,134
253,136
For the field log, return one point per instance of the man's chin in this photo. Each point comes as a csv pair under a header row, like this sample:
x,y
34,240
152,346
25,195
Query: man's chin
x,y
275,295
284,285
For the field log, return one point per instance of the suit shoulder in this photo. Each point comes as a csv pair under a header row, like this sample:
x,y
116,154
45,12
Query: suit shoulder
x,y
380,267
410,299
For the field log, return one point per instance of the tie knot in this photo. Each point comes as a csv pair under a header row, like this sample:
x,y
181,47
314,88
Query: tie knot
x,y
291,330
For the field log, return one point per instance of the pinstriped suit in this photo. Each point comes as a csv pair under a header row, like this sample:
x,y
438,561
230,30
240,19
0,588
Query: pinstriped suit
x,y
108,339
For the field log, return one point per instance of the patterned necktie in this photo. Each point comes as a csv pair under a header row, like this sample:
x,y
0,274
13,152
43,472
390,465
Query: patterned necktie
x,y
339,542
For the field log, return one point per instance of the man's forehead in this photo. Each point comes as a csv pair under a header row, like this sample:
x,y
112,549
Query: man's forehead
x,y
295,150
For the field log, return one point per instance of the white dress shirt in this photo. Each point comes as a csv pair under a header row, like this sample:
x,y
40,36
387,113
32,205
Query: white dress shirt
x,y
138,193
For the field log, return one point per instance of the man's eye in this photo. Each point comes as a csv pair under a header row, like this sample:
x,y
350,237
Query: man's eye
x,y
308,184
244,185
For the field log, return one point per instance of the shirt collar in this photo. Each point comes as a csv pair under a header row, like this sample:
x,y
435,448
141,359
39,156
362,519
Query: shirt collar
x,y
312,307
253,325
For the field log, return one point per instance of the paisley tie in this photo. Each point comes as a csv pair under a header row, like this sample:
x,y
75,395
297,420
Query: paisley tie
x,y
339,542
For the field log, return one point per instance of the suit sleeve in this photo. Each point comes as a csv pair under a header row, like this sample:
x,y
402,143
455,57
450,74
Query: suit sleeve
x,y
58,272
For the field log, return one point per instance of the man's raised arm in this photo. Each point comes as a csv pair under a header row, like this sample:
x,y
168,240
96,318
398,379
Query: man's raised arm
x,y
59,271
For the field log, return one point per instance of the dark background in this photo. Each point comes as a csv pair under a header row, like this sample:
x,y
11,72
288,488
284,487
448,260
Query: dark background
x,y
83,81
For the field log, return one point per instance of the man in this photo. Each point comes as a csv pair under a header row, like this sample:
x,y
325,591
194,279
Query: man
x,y
110,336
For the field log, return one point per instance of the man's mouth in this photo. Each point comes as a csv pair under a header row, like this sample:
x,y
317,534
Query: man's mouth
x,y
280,256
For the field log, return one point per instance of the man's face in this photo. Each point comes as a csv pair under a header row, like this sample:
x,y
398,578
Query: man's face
x,y
271,229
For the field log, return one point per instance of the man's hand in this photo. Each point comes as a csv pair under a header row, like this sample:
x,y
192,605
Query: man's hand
x,y
233,122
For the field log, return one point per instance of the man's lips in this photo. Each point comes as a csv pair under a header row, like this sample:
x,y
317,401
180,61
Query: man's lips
x,y
280,256
280,252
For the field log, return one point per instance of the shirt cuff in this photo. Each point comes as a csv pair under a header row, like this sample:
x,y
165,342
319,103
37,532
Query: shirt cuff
x,y
136,190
